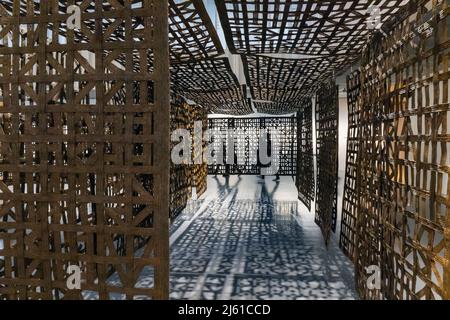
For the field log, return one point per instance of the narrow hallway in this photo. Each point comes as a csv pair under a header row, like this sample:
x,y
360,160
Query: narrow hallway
x,y
249,238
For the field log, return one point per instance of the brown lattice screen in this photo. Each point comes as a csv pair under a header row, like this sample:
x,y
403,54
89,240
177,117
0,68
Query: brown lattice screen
x,y
180,174
84,139
324,36
350,202
327,157
305,154
401,216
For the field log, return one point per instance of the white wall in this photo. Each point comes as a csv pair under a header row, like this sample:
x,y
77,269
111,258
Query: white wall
x,y
342,156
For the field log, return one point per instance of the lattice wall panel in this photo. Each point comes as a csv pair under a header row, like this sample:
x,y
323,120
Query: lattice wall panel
x,y
350,200
325,37
299,26
403,208
305,155
327,109
247,134
275,108
180,174
84,149
200,167
193,173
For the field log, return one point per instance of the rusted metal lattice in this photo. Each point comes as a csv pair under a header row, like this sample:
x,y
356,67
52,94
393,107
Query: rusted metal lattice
x,y
200,166
327,109
350,201
197,70
283,83
323,36
402,212
245,159
213,85
305,154
84,149
191,33
180,174
193,172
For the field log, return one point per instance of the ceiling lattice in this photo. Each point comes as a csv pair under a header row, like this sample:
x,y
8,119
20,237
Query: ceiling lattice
x,y
316,39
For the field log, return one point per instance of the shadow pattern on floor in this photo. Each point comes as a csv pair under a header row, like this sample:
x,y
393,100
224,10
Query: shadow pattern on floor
x,y
247,249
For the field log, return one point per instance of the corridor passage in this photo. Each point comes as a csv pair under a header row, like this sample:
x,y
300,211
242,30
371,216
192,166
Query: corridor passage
x,y
249,238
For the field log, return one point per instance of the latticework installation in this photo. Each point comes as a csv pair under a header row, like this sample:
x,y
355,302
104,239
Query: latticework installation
x,y
287,143
402,213
84,149
325,36
243,158
211,84
305,154
180,174
275,108
349,207
192,173
197,71
199,168
279,85
327,110
191,33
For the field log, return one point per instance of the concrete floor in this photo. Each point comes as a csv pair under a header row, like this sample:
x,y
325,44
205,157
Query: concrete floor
x,y
249,238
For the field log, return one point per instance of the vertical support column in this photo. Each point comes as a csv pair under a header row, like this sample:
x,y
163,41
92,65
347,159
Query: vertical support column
x,y
162,148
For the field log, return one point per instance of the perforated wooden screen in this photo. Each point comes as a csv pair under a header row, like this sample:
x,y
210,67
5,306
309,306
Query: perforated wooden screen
x,y
402,213
84,149
305,155
327,157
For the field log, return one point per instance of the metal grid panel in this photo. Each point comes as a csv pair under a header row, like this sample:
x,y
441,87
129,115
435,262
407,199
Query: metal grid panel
x,y
325,36
403,210
274,108
192,35
285,81
213,85
82,182
325,28
191,174
248,131
247,139
197,71
203,76
180,174
199,171
216,127
350,200
305,155
327,109
287,127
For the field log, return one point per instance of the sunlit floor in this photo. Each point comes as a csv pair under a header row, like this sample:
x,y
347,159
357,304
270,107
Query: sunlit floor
x,y
249,238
